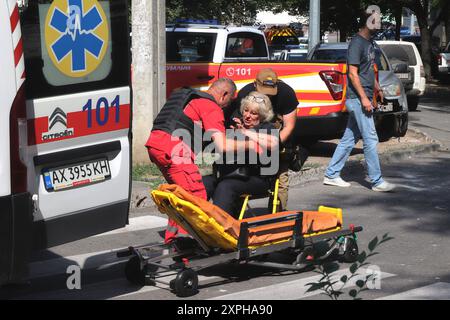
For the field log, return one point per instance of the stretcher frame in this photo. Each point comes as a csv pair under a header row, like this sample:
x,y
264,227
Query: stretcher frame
x,y
147,267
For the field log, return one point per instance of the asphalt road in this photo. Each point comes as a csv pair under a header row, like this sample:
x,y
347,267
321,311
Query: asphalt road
x,y
414,264
433,115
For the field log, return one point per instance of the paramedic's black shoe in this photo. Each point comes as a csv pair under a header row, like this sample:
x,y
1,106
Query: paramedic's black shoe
x,y
184,244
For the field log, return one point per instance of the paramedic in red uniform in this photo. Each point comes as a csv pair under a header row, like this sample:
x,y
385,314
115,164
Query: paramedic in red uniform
x,y
190,110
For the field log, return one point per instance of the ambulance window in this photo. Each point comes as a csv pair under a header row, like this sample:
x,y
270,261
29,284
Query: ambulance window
x,y
73,46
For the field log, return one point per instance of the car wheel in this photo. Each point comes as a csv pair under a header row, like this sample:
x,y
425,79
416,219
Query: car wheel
x,y
385,128
401,125
413,103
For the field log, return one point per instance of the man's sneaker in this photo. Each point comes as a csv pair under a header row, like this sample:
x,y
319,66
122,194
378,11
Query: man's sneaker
x,y
337,182
384,187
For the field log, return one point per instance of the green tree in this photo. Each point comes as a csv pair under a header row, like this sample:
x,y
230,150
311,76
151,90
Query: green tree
x,y
226,11
422,8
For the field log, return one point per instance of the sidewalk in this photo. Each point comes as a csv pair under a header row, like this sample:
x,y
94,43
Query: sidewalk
x,y
414,143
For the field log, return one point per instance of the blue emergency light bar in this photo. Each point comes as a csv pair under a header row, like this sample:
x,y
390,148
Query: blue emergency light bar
x,y
197,21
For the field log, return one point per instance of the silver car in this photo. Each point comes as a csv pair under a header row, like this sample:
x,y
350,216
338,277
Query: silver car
x,y
391,119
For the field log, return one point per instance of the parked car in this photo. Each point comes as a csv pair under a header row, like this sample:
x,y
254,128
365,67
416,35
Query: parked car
x,y
392,118
304,43
444,63
280,43
417,40
390,33
413,78
294,55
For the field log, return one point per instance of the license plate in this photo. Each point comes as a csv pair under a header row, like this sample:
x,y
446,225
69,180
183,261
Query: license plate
x,y
387,108
402,75
76,175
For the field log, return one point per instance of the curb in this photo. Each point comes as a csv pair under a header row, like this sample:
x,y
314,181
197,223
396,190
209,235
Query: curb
x,y
433,88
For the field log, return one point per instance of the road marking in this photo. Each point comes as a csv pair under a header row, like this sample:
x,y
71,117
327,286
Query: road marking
x,y
295,290
437,291
139,224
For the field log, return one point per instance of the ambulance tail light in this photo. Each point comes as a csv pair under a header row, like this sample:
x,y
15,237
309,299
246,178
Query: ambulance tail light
x,y
18,169
335,83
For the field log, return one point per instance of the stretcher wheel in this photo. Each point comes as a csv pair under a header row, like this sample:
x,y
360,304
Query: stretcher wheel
x,y
186,283
351,252
134,273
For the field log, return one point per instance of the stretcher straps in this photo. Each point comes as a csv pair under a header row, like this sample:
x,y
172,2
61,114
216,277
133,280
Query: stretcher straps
x,y
243,247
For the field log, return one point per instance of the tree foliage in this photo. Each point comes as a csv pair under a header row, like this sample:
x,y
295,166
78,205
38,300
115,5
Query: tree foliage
x,y
226,11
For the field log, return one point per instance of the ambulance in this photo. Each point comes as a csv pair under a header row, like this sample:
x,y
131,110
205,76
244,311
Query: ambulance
x,y
65,138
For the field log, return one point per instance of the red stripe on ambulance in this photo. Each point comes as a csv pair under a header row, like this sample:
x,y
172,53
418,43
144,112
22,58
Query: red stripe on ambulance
x,y
77,126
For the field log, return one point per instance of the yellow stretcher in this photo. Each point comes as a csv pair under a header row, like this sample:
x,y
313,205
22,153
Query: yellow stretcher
x,y
219,238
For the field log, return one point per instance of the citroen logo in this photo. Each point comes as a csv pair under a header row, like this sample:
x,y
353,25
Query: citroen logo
x,y
57,116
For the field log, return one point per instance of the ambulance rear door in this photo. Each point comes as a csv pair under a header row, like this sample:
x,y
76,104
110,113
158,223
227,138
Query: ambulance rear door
x,y
77,64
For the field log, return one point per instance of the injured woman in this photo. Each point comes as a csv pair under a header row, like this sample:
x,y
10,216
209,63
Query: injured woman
x,y
249,173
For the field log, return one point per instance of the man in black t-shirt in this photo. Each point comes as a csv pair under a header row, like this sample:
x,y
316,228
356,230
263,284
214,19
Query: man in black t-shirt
x,y
284,103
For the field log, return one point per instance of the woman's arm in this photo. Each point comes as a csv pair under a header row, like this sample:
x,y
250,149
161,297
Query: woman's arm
x,y
266,141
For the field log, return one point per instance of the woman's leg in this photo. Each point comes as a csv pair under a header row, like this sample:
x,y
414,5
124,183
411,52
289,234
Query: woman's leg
x,y
228,192
210,183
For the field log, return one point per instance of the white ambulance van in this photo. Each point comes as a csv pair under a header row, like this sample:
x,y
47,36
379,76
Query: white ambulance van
x,y
65,124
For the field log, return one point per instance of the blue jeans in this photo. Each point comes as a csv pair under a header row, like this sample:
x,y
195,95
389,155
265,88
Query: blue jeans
x,y
360,125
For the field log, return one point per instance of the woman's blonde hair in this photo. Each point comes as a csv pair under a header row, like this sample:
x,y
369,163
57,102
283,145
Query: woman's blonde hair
x,y
264,104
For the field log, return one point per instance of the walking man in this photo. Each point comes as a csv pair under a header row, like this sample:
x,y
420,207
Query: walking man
x,y
362,87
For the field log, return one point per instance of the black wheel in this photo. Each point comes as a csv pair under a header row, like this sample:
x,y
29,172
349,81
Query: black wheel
x,y
134,273
351,250
385,128
186,283
401,126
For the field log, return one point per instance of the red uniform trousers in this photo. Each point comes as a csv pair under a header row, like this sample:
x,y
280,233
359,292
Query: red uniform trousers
x,y
182,172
